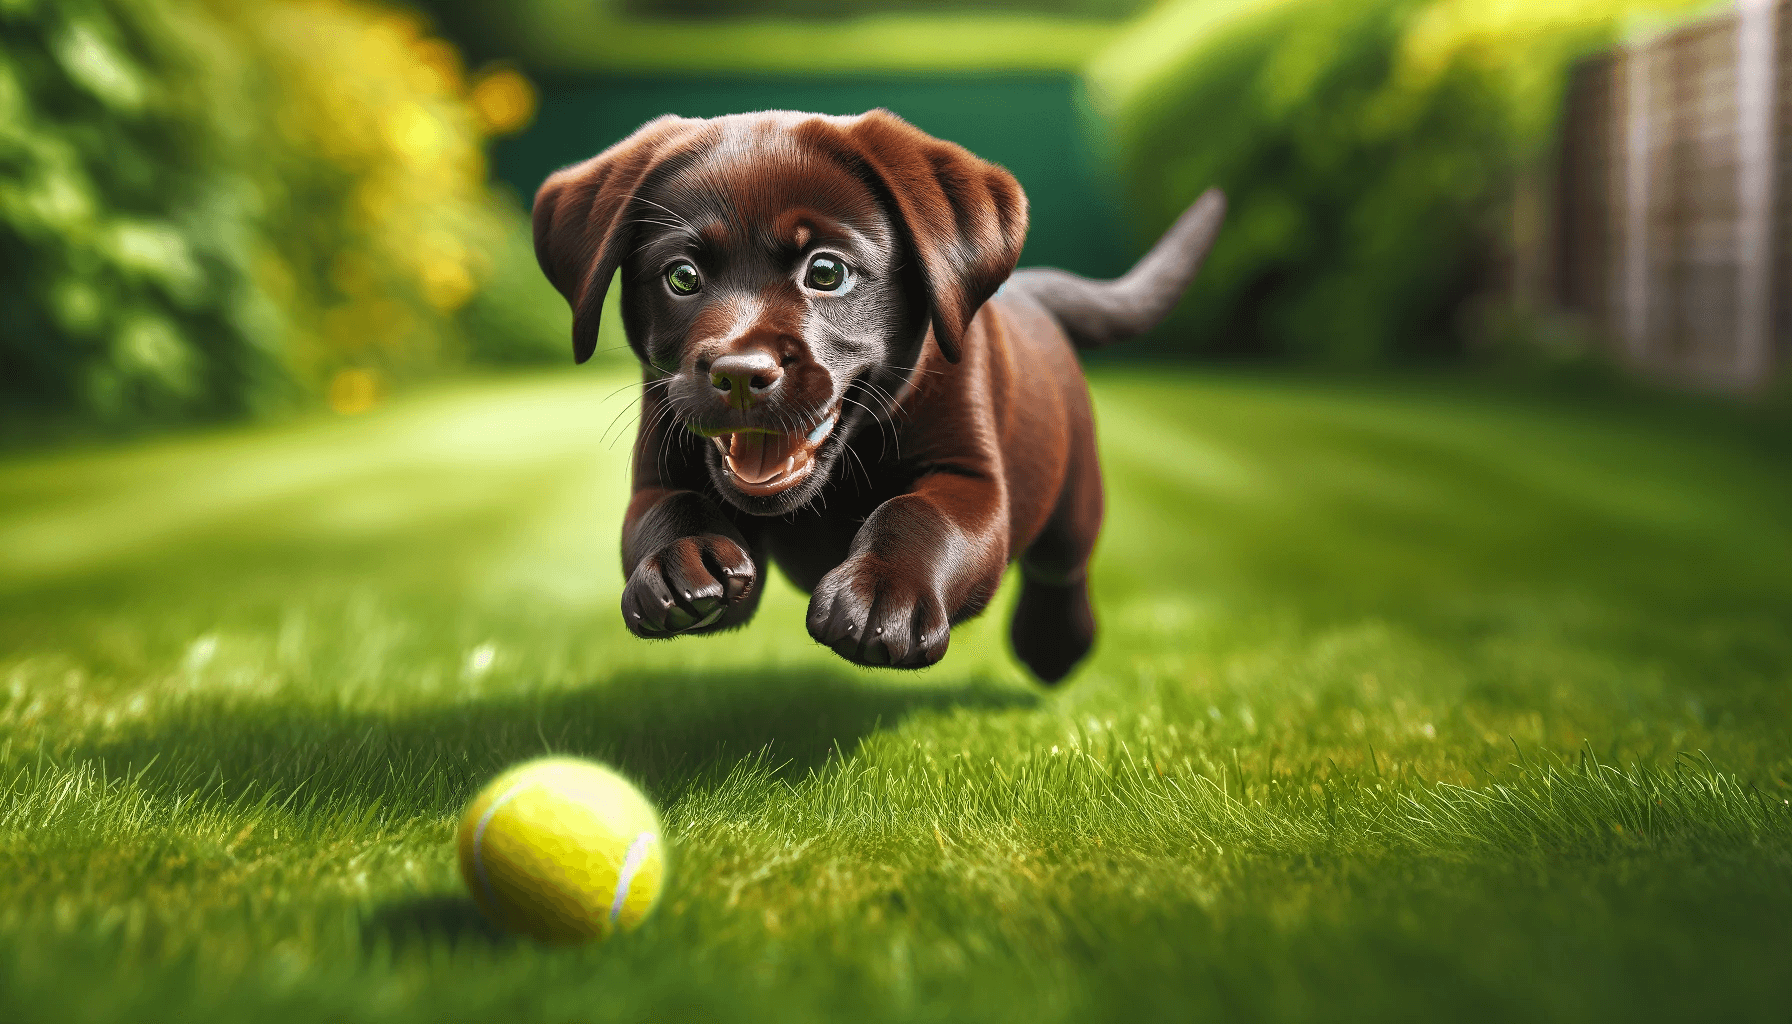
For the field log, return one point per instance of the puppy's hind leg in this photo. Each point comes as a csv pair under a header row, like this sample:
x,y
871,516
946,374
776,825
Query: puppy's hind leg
x,y
1054,626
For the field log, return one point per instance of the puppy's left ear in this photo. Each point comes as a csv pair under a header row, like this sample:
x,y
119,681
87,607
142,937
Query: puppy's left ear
x,y
965,217
581,236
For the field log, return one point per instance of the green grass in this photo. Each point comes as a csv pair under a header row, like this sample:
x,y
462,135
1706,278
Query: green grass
x,y
1412,701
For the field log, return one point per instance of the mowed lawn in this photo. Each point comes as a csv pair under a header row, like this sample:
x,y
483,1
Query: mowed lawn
x,y
1412,701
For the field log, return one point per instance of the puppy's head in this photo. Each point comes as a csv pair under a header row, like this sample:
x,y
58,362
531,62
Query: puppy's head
x,y
782,273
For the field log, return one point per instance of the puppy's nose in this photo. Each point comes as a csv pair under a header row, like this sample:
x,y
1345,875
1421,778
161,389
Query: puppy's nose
x,y
745,376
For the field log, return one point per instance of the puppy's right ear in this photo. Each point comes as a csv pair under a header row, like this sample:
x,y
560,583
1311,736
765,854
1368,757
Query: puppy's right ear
x,y
581,236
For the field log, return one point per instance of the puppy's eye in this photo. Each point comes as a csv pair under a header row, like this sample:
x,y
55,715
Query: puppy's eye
x,y
826,273
682,278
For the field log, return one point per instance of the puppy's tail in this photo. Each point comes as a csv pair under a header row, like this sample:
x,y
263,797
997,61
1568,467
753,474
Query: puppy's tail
x,y
1099,313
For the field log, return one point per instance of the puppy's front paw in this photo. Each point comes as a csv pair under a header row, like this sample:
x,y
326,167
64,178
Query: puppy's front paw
x,y
686,586
871,613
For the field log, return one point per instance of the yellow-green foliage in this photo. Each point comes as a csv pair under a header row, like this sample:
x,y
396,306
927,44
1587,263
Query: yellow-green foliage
x,y
1368,145
381,227
375,187
209,208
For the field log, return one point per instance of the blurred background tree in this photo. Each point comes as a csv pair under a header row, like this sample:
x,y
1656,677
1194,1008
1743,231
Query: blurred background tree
x,y
215,209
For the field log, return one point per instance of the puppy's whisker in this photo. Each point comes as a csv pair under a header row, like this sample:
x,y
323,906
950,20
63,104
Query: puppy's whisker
x,y
646,395
863,469
883,436
630,386
894,404
891,407
872,415
665,415
605,436
909,377
611,446
654,432
883,452
900,369
663,460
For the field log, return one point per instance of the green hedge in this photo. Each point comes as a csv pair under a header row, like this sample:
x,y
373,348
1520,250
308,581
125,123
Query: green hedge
x,y
213,209
1370,148
127,279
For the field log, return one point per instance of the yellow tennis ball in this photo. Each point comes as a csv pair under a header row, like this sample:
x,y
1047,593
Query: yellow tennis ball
x,y
562,849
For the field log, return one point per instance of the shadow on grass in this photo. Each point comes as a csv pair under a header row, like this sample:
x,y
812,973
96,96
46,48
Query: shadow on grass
x,y
425,922
670,731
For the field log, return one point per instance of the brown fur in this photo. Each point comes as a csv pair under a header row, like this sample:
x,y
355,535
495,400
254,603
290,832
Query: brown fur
x,y
963,437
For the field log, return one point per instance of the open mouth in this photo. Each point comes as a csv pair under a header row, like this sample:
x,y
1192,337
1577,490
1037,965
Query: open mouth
x,y
762,462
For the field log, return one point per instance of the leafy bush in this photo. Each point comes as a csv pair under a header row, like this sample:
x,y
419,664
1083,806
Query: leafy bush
x,y
127,275
210,209
1369,147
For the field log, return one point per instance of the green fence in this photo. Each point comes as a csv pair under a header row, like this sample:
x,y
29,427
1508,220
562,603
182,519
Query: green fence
x,y
1036,125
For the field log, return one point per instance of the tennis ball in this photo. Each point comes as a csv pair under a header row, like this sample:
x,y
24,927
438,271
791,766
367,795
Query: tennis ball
x,y
562,849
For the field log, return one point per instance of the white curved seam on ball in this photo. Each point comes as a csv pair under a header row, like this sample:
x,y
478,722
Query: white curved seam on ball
x,y
631,863
485,819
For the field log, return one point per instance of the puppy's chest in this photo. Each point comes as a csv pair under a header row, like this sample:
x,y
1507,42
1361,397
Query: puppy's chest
x,y
808,550
810,543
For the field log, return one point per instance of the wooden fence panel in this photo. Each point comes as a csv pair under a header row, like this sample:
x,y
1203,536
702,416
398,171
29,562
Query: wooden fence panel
x,y
1674,199
1691,319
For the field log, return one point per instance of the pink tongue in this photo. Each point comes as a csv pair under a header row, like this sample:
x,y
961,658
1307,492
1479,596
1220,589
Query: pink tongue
x,y
757,457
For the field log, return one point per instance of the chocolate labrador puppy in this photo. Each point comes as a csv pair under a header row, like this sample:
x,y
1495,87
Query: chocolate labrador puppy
x,y
829,383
